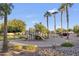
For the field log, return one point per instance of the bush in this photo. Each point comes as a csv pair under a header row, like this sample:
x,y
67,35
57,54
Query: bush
x,y
38,37
22,37
30,48
59,30
17,47
10,37
67,44
78,35
25,47
1,38
76,29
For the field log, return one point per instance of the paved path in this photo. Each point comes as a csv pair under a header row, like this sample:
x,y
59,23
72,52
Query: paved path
x,y
44,43
52,41
48,42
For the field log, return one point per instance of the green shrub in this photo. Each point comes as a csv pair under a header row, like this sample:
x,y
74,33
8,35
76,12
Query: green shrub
x,y
58,30
38,38
30,48
22,37
17,47
24,47
10,37
78,35
67,44
76,29
1,38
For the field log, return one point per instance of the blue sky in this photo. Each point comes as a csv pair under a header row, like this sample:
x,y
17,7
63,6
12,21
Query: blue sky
x,y
32,13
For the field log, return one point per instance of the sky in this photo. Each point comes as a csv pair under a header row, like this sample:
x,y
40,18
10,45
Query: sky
x,y
32,13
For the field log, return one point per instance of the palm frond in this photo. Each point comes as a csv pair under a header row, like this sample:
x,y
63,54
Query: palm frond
x,y
62,7
47,14
6,7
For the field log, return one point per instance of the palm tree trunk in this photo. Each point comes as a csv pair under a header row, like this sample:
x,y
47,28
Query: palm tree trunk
x,y
67,16
54,24
5,41
47,23
47,27
61,21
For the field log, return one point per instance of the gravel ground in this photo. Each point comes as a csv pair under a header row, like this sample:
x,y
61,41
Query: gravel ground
x,y
70,51
49,51
46,48
44,51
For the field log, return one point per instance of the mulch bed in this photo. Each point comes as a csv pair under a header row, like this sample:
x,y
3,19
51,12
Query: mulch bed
x,y
43,51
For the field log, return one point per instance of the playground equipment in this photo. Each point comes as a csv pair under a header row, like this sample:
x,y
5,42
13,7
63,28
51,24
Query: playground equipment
x,y
35,35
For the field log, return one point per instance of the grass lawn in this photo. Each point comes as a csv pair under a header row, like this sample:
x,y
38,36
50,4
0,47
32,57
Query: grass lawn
x,y
12,37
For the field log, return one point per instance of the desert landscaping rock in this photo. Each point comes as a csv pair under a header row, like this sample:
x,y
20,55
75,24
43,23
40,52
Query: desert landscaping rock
x,y
73,51
49,47
49,52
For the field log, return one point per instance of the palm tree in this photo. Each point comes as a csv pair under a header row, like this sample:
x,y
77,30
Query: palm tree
x,y
66,7
54,22
54,12
47,14
5,10
61,9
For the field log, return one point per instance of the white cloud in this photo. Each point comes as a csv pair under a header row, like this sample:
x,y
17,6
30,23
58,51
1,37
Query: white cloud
x,y
53,10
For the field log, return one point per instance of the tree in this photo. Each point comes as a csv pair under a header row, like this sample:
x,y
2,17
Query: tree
x,y
54,14
76,29
61,9
16,26
41,28
47,14
69,30
32,30
0,28
58,30
66,7
5,10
